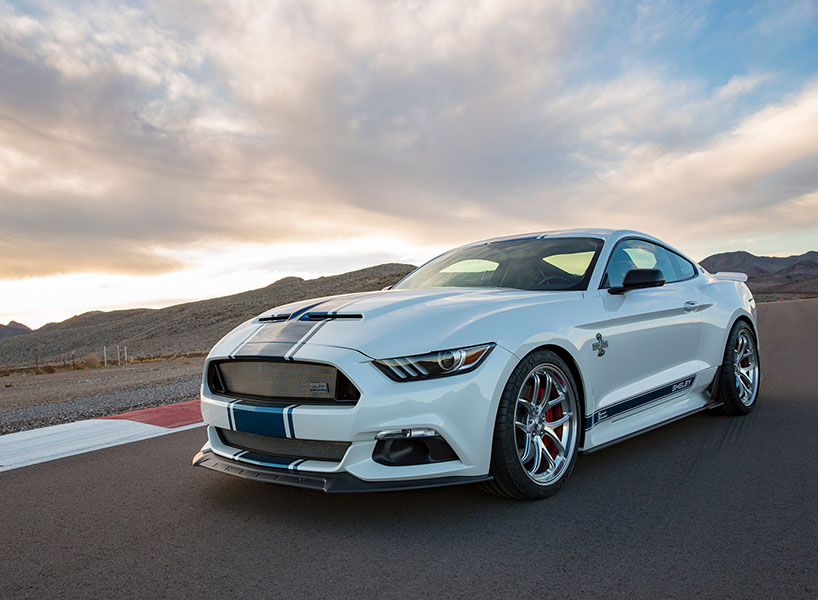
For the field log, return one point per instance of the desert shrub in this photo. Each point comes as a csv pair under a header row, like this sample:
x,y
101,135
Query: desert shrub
x,y
50,369
91,361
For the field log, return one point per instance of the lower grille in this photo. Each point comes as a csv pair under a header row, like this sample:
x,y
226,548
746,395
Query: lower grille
x,y
284,447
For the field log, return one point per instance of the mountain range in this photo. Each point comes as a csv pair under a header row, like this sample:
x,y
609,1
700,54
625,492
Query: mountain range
x,y
12,329
196,326
179,329
770,274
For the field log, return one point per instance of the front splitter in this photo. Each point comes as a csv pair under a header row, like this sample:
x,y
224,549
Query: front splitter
x,y
324,482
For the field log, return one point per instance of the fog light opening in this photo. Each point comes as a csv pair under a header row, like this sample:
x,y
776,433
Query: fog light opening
x,y
417,450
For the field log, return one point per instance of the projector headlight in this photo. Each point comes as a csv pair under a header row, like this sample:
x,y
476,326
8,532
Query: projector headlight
x,y
434,364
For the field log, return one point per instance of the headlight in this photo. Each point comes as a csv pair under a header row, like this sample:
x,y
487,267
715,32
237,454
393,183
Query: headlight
x,y
434,364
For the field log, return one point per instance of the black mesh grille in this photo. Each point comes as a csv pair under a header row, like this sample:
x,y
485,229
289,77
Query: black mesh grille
x,y
284,447
276,381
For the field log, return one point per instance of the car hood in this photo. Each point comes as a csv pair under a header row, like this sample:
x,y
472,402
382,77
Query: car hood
x,y
396,322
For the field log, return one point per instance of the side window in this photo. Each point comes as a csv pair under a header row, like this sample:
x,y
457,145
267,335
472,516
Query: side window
x,y
638,254
684,270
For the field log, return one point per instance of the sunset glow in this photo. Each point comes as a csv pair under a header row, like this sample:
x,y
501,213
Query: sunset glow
x,y
154,153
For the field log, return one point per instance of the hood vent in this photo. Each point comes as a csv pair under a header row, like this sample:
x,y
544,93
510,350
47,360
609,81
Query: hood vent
x,y
327,316
273,318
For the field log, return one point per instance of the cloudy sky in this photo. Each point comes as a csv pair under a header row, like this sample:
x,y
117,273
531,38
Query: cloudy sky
x,y
157,152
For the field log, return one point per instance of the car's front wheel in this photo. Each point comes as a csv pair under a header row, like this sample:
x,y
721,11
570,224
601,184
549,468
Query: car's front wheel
x,y
537,429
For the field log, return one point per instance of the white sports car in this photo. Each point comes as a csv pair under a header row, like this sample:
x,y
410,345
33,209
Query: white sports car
x,y
497,362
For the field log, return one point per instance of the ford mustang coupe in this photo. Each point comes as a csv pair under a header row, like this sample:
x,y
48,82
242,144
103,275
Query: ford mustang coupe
x,y
497,362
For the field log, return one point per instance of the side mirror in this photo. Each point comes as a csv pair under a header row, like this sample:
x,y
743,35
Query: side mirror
x,y
637,279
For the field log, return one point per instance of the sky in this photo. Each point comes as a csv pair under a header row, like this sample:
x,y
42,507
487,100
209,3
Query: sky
x,y
158,152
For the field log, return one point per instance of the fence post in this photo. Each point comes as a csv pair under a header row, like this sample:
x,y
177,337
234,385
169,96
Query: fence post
x,y
105,355
36,359
118,357
126,355
72,361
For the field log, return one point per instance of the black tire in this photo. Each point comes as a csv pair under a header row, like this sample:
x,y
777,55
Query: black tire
x,y
511,478
734,399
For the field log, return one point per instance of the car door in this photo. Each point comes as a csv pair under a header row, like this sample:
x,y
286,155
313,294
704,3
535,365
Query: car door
x,y
647,340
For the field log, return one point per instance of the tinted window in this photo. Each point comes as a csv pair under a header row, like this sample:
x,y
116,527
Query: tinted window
x,y
684,270
533,264
639,254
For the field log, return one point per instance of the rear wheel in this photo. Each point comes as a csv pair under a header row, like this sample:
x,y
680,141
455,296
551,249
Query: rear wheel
x,y
537,429
740,374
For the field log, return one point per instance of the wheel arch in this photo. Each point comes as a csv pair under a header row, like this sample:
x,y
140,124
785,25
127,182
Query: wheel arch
x,y
746,319
741,315
569,359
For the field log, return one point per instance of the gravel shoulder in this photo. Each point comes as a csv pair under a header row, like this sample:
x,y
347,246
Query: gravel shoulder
x,y
31,401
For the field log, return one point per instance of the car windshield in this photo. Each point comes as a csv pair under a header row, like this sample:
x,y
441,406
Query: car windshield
x,y
555,264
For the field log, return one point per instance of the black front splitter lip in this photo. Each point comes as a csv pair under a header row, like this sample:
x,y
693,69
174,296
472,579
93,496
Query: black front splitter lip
x,y
323,482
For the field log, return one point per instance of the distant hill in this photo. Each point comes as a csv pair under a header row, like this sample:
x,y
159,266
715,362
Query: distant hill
x,y
12,329
770,274
183,328
196,326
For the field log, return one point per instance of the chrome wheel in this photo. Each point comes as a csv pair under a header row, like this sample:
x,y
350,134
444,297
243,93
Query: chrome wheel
x,y
745,368
545,424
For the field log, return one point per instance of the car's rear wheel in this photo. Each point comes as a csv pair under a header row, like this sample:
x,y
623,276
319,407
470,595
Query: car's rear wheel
x,y
740,374
537,429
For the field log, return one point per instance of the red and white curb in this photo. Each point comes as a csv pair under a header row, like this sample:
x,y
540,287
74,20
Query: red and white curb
x,y
26,448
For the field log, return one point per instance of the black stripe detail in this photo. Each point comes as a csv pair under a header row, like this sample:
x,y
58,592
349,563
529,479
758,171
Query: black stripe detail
x,y
299,322
273,318
637,401
325,316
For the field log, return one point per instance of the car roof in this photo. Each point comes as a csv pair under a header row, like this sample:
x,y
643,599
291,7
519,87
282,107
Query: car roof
x,y
603,234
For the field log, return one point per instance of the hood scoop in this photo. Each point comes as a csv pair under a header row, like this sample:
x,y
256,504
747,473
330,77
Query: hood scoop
x,y
328,316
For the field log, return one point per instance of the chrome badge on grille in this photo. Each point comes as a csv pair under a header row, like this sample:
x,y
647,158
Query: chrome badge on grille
x,y
319,388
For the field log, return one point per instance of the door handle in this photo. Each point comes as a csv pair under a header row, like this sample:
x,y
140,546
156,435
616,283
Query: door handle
x,y
691,305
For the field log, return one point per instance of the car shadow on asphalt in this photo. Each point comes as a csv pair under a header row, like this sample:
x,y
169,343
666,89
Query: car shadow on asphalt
x,y
649,477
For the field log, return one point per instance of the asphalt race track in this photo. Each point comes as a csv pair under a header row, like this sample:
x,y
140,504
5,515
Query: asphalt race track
x,y
707,507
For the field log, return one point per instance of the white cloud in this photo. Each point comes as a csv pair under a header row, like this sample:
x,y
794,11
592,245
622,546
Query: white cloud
x,y
148,131
740,85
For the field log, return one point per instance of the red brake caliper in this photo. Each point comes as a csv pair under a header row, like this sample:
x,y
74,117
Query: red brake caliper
x,y
552,414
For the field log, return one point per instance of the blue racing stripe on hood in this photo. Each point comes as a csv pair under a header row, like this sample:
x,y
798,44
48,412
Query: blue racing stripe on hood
x,y
295,329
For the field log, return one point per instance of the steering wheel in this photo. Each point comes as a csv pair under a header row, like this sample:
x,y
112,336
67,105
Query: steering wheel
x,y
550,280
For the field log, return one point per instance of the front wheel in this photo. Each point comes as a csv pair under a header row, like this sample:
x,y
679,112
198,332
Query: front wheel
x,y
740,374
537,429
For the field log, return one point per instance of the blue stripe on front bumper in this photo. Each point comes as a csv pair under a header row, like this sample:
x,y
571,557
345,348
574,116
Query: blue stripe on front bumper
x,y
259,420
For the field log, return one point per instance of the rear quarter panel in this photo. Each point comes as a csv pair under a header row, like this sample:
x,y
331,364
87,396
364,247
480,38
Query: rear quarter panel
x,y
729,301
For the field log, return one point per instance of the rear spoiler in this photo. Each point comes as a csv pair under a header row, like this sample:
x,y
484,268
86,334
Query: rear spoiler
x,y
728,276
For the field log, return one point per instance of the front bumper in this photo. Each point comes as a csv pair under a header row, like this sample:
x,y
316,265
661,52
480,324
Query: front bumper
x,y
461,409
326,482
